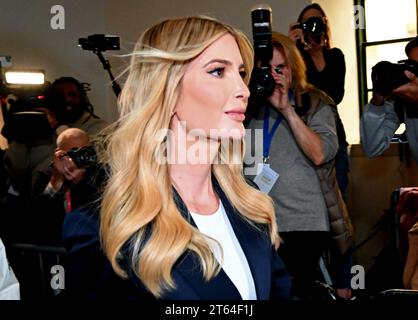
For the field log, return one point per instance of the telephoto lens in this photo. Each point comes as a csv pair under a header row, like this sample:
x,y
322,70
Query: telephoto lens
x,y
262,83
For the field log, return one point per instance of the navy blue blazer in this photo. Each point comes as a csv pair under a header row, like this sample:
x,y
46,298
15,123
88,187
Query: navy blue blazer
x,y
81,233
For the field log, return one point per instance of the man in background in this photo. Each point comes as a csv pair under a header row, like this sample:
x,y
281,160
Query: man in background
x,y
383,115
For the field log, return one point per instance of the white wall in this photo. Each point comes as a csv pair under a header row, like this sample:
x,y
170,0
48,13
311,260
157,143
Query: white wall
x,y
26,34
341,19
129,18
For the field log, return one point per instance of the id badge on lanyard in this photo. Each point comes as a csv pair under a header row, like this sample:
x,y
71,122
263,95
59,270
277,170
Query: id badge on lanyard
x,y
266,177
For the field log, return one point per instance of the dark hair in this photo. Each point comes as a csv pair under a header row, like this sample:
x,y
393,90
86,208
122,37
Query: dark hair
x,y
82,88
327,30
411,45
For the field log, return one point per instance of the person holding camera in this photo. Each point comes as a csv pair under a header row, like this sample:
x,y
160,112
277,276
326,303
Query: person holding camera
x,y
67,169
70,183
176,223
325,70
386,111
66,105
299,146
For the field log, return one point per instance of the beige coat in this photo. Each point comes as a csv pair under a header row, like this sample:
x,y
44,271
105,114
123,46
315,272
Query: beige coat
x,y
339,219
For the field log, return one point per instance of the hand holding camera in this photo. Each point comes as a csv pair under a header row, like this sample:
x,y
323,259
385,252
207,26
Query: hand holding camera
x,y
308,34
280,98
295,33
387,76
65,170
408,91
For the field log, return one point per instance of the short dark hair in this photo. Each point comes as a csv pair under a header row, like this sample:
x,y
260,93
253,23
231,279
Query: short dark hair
x,y
411,45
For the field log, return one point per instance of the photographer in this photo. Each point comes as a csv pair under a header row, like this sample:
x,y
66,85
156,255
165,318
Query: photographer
x,y
325,70
383,115
69,183
300,143
66,105
65,172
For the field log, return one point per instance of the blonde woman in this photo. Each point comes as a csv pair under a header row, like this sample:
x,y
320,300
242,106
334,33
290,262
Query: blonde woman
x,y
300,143
178,220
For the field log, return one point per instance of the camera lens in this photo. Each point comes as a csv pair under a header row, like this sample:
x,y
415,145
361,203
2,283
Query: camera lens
x,y
314,26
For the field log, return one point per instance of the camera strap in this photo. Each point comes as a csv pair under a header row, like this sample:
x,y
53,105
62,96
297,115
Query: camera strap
x,y
68,204
268,134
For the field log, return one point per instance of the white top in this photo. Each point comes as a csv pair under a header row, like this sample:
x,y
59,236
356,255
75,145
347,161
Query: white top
x,y
235,265
9,285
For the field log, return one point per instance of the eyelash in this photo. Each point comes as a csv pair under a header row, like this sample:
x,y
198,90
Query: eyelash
x,y
221,70
218,69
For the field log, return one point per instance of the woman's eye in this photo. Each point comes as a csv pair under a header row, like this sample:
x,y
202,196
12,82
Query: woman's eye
x,y
243,74
218,72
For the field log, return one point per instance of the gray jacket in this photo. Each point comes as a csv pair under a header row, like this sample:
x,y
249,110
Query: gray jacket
x,y
379,124
299,201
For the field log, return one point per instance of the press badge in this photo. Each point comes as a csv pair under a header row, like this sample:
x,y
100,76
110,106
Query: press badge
x,y
266,177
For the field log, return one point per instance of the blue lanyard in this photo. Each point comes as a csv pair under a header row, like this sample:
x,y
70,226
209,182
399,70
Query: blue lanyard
x,y
268,136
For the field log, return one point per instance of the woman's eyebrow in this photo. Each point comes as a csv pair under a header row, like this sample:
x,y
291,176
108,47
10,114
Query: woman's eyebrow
x,y
223,61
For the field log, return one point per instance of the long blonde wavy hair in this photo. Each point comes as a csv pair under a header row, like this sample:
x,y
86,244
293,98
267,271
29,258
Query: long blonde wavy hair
x,y
138,196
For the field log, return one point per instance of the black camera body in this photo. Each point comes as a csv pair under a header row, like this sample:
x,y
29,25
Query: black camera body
x,y
99,42
387,76
84,157
262,83
314,27
20,107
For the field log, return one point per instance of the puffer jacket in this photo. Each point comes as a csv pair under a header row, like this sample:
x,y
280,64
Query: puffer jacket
x,y
340,222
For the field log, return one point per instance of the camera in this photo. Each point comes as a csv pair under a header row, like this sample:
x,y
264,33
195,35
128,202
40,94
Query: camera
x,y
21,106
387,76
99,42
262,82
84,157
314,27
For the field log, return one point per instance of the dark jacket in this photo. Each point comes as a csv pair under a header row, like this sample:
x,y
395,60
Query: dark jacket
x,y
86,264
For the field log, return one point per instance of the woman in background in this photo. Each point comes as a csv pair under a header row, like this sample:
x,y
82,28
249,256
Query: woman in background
x,y
325,69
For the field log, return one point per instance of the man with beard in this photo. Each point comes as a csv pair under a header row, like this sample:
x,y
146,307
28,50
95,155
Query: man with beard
x,y
69,103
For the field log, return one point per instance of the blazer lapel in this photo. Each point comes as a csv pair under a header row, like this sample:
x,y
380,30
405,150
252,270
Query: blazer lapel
x,y
255,244
218,288
256,247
